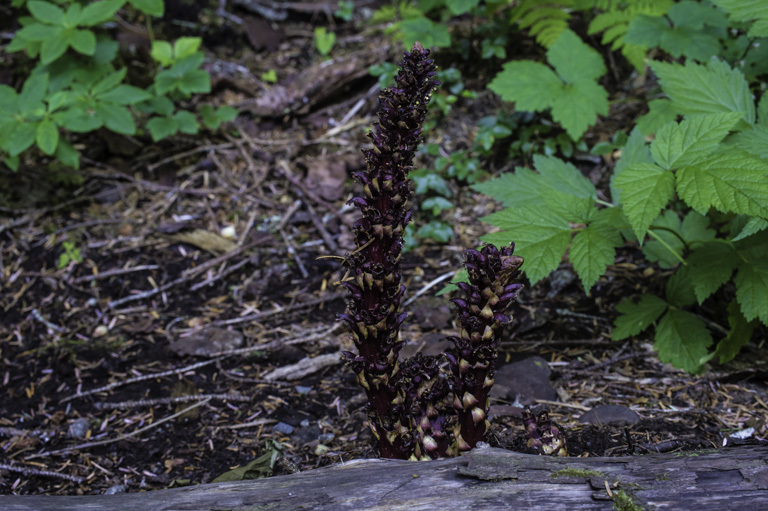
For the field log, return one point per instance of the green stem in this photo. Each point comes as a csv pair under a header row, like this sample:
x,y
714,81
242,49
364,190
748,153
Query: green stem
x,y
667,246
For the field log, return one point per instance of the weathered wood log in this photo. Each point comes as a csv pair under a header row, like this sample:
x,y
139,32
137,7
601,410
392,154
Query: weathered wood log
x,y
483,479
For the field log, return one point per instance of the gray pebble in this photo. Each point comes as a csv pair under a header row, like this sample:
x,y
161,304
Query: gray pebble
x,y
118,488
283,428
78,428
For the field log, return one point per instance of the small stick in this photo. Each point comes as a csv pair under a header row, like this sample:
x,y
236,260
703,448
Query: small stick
x,y
115,272
430,285
31,471
121,437
170,400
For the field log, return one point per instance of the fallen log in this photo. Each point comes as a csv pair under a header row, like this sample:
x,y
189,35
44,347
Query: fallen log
x,y
483,479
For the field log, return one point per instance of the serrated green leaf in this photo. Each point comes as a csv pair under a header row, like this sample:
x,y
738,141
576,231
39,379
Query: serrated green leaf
x,y
660,112
667,247
755,11
636,317
83,41
677,145
577,106
682,340
154,8
563,176
575,60
711,266
516,189
116,118
752,140
645,189
679,288
423,29
540,236
711,89
752,289
47,136
529,84
592,250
729,182
162,127
99,12
646,30
125,95
695,15
752,226
738,336
46,12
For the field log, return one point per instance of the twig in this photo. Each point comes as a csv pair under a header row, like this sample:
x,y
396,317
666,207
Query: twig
x,y
222,274
261,315
563,405
121,437
31,471
170,400
430,285
115,272
292,251
56,328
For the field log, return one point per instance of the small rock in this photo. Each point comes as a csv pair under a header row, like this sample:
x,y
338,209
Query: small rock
x,y
524,381
614,415
304,423
301,389
328,437
283,428
207,341
78,428
118,488
321,450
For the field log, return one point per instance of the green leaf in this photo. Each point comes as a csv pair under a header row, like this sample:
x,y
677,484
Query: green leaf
x,y
227,113
116,118
12,162
78,119
752,289
592,250
99,12
564,177
423,179
46,12
9,101
738,336
694,230
679,289
575,60
260,467
459,7
699,89
711,266
436,205
753,225
37,32
54,47
645,190
677,145
125,95
436,230
540,235
187,122
67,154
426,31
21,138
529,84
185,46
32,94
109,82
324,40
162,127
753,140
636,317
646,30
162,52
578,105
729,182
660,112
682,340
47,136
195,81
154,8
83,41
748,11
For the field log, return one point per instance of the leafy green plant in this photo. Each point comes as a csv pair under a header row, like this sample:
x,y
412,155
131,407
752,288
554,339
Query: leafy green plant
x,y
699,190
71,254
324,41
569,88
75,87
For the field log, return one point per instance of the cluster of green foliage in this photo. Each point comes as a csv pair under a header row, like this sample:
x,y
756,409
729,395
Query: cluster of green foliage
x,y
690,188
77,85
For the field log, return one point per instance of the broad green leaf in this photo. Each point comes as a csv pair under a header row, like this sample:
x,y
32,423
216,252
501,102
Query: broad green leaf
x,y
753,225
563,176
116,118
636,317
195,81
679,288
682,340
635,150
711,266
696,137
78,120
752,289
645,189
423,179
517,189
185,46
646,30
154,8
752,140
187,122
46,12
227,113
32,94
324,40
83,41
748,11
459,7
666,249
9,100
162,52
109,82
660,112
729,182
54,47
37,32
99,12
695,15
698,89
435,230
426,31
47,136
738,336
540,236
532,86
691,43
162,127
21,138
436,205
578,105
575,60
72,16
67,154
592,250
125,95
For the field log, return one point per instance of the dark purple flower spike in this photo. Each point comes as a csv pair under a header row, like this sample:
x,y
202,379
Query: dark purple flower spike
x,y
482,316
544,435
375,289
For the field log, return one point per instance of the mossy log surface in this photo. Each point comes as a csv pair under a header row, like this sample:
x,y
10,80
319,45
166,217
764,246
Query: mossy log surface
x,y
483,479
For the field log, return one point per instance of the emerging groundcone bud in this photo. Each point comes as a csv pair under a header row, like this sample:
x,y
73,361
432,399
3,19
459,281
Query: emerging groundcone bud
x,y
375,290
544,435
482,316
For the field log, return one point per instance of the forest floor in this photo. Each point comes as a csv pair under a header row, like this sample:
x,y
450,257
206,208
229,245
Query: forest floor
x,y
193,329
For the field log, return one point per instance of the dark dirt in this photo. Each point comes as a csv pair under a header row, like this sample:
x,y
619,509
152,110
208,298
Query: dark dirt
x,y
153,224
